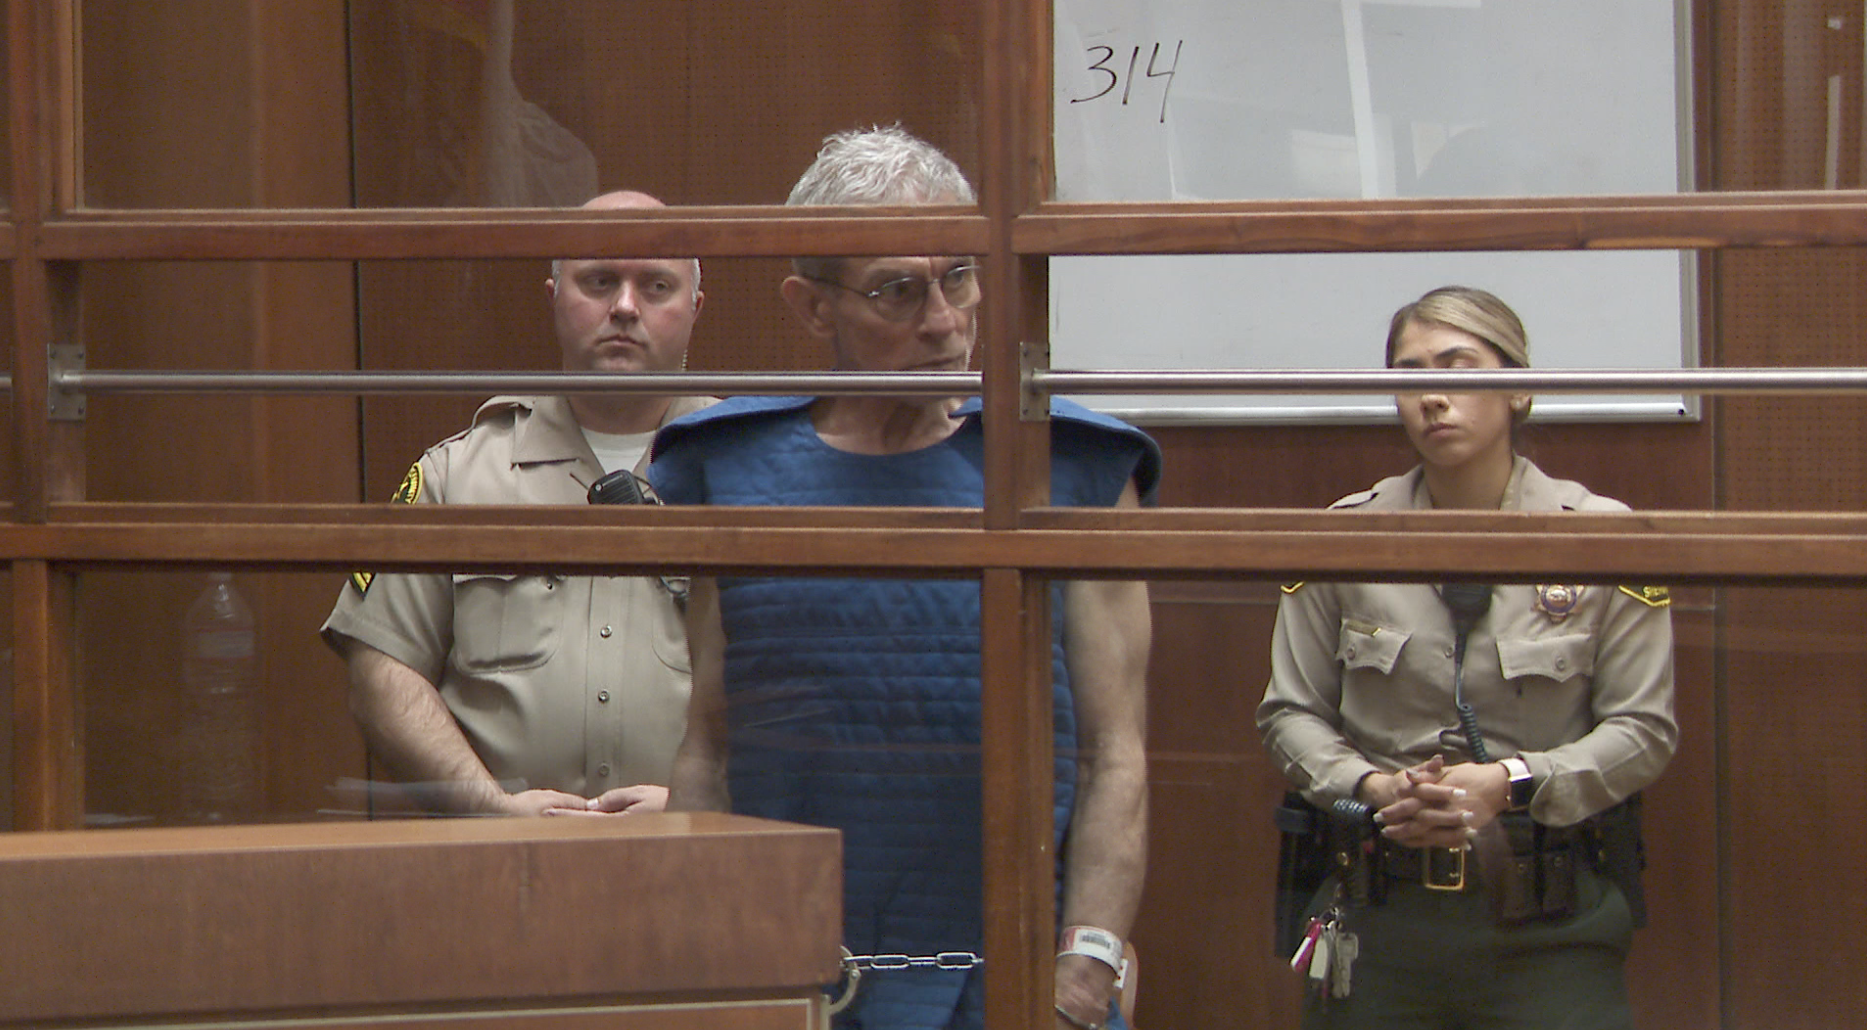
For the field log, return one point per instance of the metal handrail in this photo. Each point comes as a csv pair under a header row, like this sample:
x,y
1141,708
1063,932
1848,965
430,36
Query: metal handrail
x,y
1392,380
1836,380
927,384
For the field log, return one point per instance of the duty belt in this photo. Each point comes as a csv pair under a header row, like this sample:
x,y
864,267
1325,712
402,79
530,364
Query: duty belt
x,y
1537,881
1439,869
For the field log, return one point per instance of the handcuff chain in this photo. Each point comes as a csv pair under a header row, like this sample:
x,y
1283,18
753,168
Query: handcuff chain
x,y
944,960
853,966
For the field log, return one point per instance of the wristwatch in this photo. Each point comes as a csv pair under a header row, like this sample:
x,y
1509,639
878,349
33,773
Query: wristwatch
x,y
1522,784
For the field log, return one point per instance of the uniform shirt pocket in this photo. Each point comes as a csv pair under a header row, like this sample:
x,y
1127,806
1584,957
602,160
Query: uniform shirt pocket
x,y
1368,645
505,622
1555,658
669,631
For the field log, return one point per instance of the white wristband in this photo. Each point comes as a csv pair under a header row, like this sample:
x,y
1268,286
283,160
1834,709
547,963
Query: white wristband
x,y
1096,943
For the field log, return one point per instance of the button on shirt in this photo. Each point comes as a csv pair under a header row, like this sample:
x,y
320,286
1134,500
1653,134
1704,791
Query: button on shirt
x,y
572,683
1361,675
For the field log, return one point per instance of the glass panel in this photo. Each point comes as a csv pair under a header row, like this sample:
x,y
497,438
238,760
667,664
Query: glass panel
x,y
1581,309
497,315
412,316
208,698
1792,308
1203,933
1756,453
6,132
7,717
1788,82
220,316
714,102
1217,100
7,457
422,103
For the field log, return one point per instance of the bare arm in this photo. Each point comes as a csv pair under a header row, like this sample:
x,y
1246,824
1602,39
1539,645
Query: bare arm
x,y
698,782
409,728
1106,639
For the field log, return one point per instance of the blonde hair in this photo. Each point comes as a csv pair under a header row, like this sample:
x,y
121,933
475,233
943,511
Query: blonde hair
x,y
1469,310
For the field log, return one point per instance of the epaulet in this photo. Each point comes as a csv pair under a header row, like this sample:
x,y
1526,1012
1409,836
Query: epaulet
x,y
1652,597
1291,588
498,406
1355,500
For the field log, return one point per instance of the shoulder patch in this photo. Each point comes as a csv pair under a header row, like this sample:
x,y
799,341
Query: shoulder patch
x,y
1652,597
1291,588
410,488
406,493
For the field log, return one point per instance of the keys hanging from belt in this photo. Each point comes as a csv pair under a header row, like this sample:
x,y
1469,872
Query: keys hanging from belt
x,y
1327,954
1342,957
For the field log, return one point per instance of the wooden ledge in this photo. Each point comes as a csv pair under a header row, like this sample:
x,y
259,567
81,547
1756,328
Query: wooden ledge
x,y
419,915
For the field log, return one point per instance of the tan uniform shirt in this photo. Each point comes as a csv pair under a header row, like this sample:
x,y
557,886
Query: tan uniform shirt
x,y
1361,674
571,683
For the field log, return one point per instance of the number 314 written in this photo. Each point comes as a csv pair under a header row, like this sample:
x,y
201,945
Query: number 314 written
x,y
1103,61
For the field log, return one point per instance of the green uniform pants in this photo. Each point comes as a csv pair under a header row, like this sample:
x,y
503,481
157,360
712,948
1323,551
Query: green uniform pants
x,y
1435,959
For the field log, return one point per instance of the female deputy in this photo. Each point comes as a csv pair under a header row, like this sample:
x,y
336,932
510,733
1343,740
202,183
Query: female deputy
x,y
1508,724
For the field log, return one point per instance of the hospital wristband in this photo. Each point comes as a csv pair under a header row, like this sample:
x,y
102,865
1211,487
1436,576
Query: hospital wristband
x,y
1096,943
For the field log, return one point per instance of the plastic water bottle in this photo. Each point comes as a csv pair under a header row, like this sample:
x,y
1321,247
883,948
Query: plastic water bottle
x,y
219,752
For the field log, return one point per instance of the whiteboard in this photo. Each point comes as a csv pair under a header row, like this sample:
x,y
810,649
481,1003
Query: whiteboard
x,y
1306,99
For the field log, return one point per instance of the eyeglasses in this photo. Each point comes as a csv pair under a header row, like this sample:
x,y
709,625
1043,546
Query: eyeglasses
x,y
898,300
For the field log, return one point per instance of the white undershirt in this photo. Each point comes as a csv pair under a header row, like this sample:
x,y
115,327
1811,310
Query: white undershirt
x,y
618,450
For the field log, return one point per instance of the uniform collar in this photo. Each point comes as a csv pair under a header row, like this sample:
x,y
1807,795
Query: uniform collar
x,y
1528,489
550,433
547,431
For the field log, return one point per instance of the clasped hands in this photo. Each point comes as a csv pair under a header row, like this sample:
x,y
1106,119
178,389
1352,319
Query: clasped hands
x,y
1436,805
615,801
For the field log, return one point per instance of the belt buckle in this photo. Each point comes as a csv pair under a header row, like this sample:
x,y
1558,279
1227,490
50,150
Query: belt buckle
x,y
1442,869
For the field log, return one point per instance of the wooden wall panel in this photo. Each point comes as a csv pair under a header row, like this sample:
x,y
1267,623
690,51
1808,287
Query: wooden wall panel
x,y
1797,705
1788,82
1794,682
1204,936
253,112
1674,976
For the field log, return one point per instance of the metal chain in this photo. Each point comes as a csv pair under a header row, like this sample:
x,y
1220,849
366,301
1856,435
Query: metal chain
x,y
944,960
853,966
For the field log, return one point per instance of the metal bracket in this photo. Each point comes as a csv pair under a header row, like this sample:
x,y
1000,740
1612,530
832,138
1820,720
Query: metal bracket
x,y
1035,404
61,404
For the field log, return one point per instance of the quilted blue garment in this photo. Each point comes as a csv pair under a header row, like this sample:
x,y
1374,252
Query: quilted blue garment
x,y
854,703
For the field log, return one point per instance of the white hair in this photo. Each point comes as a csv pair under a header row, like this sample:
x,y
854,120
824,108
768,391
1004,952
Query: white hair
x,y
877,165
880,165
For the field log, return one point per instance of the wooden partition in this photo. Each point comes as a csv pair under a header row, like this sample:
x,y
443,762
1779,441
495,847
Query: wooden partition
x,y
701,920
287,184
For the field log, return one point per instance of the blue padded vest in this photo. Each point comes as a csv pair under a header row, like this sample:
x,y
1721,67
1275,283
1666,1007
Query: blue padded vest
x,y
854,703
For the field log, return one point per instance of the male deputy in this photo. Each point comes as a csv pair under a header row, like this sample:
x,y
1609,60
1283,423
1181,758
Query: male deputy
x,y
534,694
855,703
